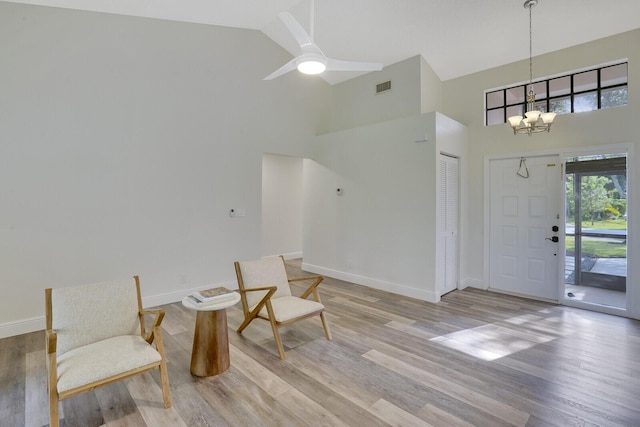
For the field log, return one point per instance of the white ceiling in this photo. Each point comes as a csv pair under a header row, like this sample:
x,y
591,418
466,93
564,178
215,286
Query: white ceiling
x,y
456,37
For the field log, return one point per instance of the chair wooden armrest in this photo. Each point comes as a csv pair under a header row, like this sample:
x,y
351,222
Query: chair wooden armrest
x,y
272,290
159,315
264,288
254,313
297,279
51,340
312,288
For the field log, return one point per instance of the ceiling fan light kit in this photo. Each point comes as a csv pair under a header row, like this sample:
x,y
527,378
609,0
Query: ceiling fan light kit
x,y
311,63
534,121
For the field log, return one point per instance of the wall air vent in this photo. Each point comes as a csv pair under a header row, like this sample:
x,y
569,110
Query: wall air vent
x,y
383,87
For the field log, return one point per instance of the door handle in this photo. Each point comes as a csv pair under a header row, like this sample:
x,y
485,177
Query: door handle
x,y
553,239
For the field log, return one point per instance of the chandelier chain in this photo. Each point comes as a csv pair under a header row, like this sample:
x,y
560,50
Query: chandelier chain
x,y
530,48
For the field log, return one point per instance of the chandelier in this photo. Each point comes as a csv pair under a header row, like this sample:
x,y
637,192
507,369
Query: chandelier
x,y
534,121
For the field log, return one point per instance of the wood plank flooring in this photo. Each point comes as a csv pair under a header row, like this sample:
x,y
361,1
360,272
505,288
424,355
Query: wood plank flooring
x,y
475,359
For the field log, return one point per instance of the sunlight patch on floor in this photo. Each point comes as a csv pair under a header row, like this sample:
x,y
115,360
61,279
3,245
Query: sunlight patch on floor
x,y
493,341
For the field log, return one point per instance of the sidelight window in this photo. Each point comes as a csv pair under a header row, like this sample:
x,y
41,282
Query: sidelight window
x,y
596,229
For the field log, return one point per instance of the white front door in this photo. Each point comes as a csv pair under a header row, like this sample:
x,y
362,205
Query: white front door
x,y
523,258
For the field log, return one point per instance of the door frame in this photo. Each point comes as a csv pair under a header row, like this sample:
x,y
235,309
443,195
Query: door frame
x,y
631,293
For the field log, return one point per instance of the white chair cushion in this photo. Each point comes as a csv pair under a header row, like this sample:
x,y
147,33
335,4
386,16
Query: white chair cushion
x,y
261,273
289,307
90,313
103,359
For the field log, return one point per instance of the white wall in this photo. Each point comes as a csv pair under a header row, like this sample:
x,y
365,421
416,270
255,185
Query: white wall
x,y
464,101
430,88
282,203
355,102
124,143
381,231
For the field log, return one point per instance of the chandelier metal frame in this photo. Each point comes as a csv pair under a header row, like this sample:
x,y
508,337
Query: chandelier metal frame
x,y
533,121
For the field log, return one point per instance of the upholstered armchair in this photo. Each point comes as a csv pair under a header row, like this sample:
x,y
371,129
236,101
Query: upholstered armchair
x,y
265,294
96,335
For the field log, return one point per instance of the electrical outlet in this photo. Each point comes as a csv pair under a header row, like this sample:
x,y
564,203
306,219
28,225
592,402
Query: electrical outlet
x,y
236,213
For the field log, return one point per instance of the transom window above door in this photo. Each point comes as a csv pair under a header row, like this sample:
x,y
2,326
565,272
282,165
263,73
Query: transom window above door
x,y
594,89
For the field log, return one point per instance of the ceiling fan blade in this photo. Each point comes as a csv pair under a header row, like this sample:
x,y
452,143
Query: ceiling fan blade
x,y
289,66
339,65
312,53
296,29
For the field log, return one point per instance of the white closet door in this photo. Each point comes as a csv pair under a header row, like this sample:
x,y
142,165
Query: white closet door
x,y
447,223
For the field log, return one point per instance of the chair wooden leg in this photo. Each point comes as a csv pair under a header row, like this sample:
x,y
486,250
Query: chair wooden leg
x,y
52,382
276,336
164,377
325,325
54,415
276,333
244,324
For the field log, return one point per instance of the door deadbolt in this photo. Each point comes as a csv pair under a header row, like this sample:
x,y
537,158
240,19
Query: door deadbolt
x,y
553,239
555,228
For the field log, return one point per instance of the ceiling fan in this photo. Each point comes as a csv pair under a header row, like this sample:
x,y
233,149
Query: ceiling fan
x,y
311,60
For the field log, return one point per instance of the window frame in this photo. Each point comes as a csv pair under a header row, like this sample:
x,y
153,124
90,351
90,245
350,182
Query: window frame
x,y
547,100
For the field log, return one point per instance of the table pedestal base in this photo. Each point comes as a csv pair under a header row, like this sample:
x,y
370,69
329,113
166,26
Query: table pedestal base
x,y
210,354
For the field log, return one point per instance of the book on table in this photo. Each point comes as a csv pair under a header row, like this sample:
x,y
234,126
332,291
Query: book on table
x,y
214,295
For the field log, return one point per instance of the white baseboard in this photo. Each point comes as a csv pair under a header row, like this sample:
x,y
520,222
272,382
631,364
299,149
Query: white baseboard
x,y
292,255
38,323
20,327
395,288
287,256
473,283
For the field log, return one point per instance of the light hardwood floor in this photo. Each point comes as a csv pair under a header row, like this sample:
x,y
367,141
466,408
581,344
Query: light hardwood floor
x,y
476,358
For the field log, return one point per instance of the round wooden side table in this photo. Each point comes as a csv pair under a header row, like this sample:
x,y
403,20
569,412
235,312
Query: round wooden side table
x,y
210,353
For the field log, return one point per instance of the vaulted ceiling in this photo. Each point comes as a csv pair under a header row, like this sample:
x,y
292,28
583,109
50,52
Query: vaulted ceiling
x,y
456,37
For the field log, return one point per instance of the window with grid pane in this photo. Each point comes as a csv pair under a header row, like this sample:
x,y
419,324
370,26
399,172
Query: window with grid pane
x,y
602,87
